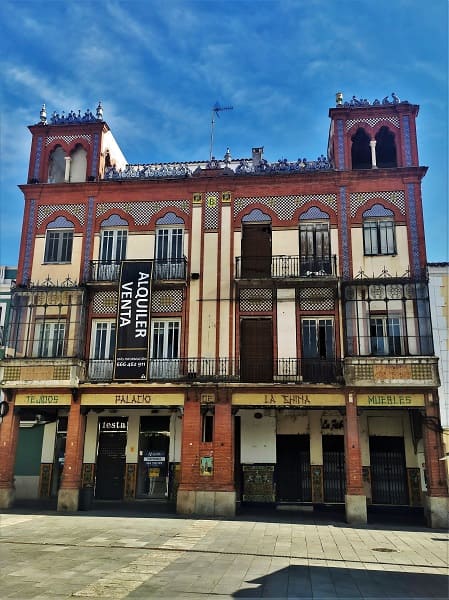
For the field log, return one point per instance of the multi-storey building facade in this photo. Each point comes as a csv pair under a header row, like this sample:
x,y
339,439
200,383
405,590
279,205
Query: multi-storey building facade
x,y
227,331
439,308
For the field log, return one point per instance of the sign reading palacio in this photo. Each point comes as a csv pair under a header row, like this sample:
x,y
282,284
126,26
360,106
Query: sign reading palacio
x,y
132,399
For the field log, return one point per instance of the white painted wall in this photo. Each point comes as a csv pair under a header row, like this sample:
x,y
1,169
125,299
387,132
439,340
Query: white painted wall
x,y
258,438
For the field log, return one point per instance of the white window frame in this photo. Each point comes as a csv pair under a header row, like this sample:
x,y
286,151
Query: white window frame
x,y
102,349
385,343
64,246
113,244
164,362
379,237
49,339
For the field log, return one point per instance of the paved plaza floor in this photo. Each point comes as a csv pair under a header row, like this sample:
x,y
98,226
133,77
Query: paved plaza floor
x,y
136,554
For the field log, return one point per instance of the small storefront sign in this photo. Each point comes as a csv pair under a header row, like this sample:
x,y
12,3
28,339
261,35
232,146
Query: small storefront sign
x,y
396,400
113,424
303,400
132,399
43,399
154,459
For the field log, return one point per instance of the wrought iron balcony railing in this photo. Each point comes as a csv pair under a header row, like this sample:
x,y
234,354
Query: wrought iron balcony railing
x,y
163,270
283,370
283,266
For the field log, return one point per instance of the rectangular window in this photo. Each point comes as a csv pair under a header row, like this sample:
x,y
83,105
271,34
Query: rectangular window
x,y
58,246
49,339
113,245
318,338
314,242
379,237
169,253
165,344
385,334
102,349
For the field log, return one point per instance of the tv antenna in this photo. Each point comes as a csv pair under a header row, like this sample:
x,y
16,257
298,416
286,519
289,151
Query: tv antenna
x,y
216,109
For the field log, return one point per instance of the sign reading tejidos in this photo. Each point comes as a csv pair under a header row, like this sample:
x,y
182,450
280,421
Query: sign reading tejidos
x,y
133,321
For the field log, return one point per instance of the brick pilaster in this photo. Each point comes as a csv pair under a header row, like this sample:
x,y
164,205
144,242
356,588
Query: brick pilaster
x,y
433,449
73,460
223,444
9,434
191,428
353,455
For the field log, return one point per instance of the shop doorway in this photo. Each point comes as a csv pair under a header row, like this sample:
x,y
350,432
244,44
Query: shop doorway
x,y
334,478
388,471
293,468
111,458
153,466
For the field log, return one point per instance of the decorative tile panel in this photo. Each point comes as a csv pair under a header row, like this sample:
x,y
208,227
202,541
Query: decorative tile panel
x,y
37,162
88,473
285,206
344,232
94,170
170,218
408,148
143,212
68,139
358,199
320,298
77,210
414,242
340,144
130,480
29,242
414,486
211,211
61,372
317,483
166,301
256,300
105,303
372,121
45,480
423,372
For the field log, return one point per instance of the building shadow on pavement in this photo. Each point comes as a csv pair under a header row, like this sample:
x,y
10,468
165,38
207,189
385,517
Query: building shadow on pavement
x,y
302,581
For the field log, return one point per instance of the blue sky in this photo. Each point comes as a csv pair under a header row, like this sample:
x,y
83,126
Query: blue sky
x,y
159,67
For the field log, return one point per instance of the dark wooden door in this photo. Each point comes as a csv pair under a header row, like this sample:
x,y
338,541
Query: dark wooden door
x,y
388,471
293,482
256,251
111,462
256,350
334,478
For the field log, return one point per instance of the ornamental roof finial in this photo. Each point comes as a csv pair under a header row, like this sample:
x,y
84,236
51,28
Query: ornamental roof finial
x,y
99,111
339,98
43,115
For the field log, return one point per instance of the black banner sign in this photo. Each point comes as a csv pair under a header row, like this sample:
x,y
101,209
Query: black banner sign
x,y
133,321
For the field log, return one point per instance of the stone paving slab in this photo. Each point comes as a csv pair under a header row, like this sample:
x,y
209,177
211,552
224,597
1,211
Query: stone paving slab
x,y
61,556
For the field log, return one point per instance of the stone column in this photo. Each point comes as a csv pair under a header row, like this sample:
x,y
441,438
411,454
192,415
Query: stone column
x,y
68,160
355,499
9,434
68,495
373,154
436,498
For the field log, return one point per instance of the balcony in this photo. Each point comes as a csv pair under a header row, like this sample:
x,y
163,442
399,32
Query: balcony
x,y
283,370
41,373
391,371
164,270
285,267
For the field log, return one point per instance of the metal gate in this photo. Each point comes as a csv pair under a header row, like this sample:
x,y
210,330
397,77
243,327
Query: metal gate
x,y
111,462
388,471
293,481
334,477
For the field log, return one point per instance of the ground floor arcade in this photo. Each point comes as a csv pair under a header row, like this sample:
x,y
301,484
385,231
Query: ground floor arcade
x,y
211,449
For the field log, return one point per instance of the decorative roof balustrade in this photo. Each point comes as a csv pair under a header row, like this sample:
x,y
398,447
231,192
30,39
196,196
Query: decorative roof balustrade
x,y
234,167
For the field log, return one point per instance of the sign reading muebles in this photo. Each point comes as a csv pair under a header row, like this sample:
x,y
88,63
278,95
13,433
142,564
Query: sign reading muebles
x,y
133,321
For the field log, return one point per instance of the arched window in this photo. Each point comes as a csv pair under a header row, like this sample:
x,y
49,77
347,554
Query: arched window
x,y
59,241
378,231
360,150
56,166
385,149
78,165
